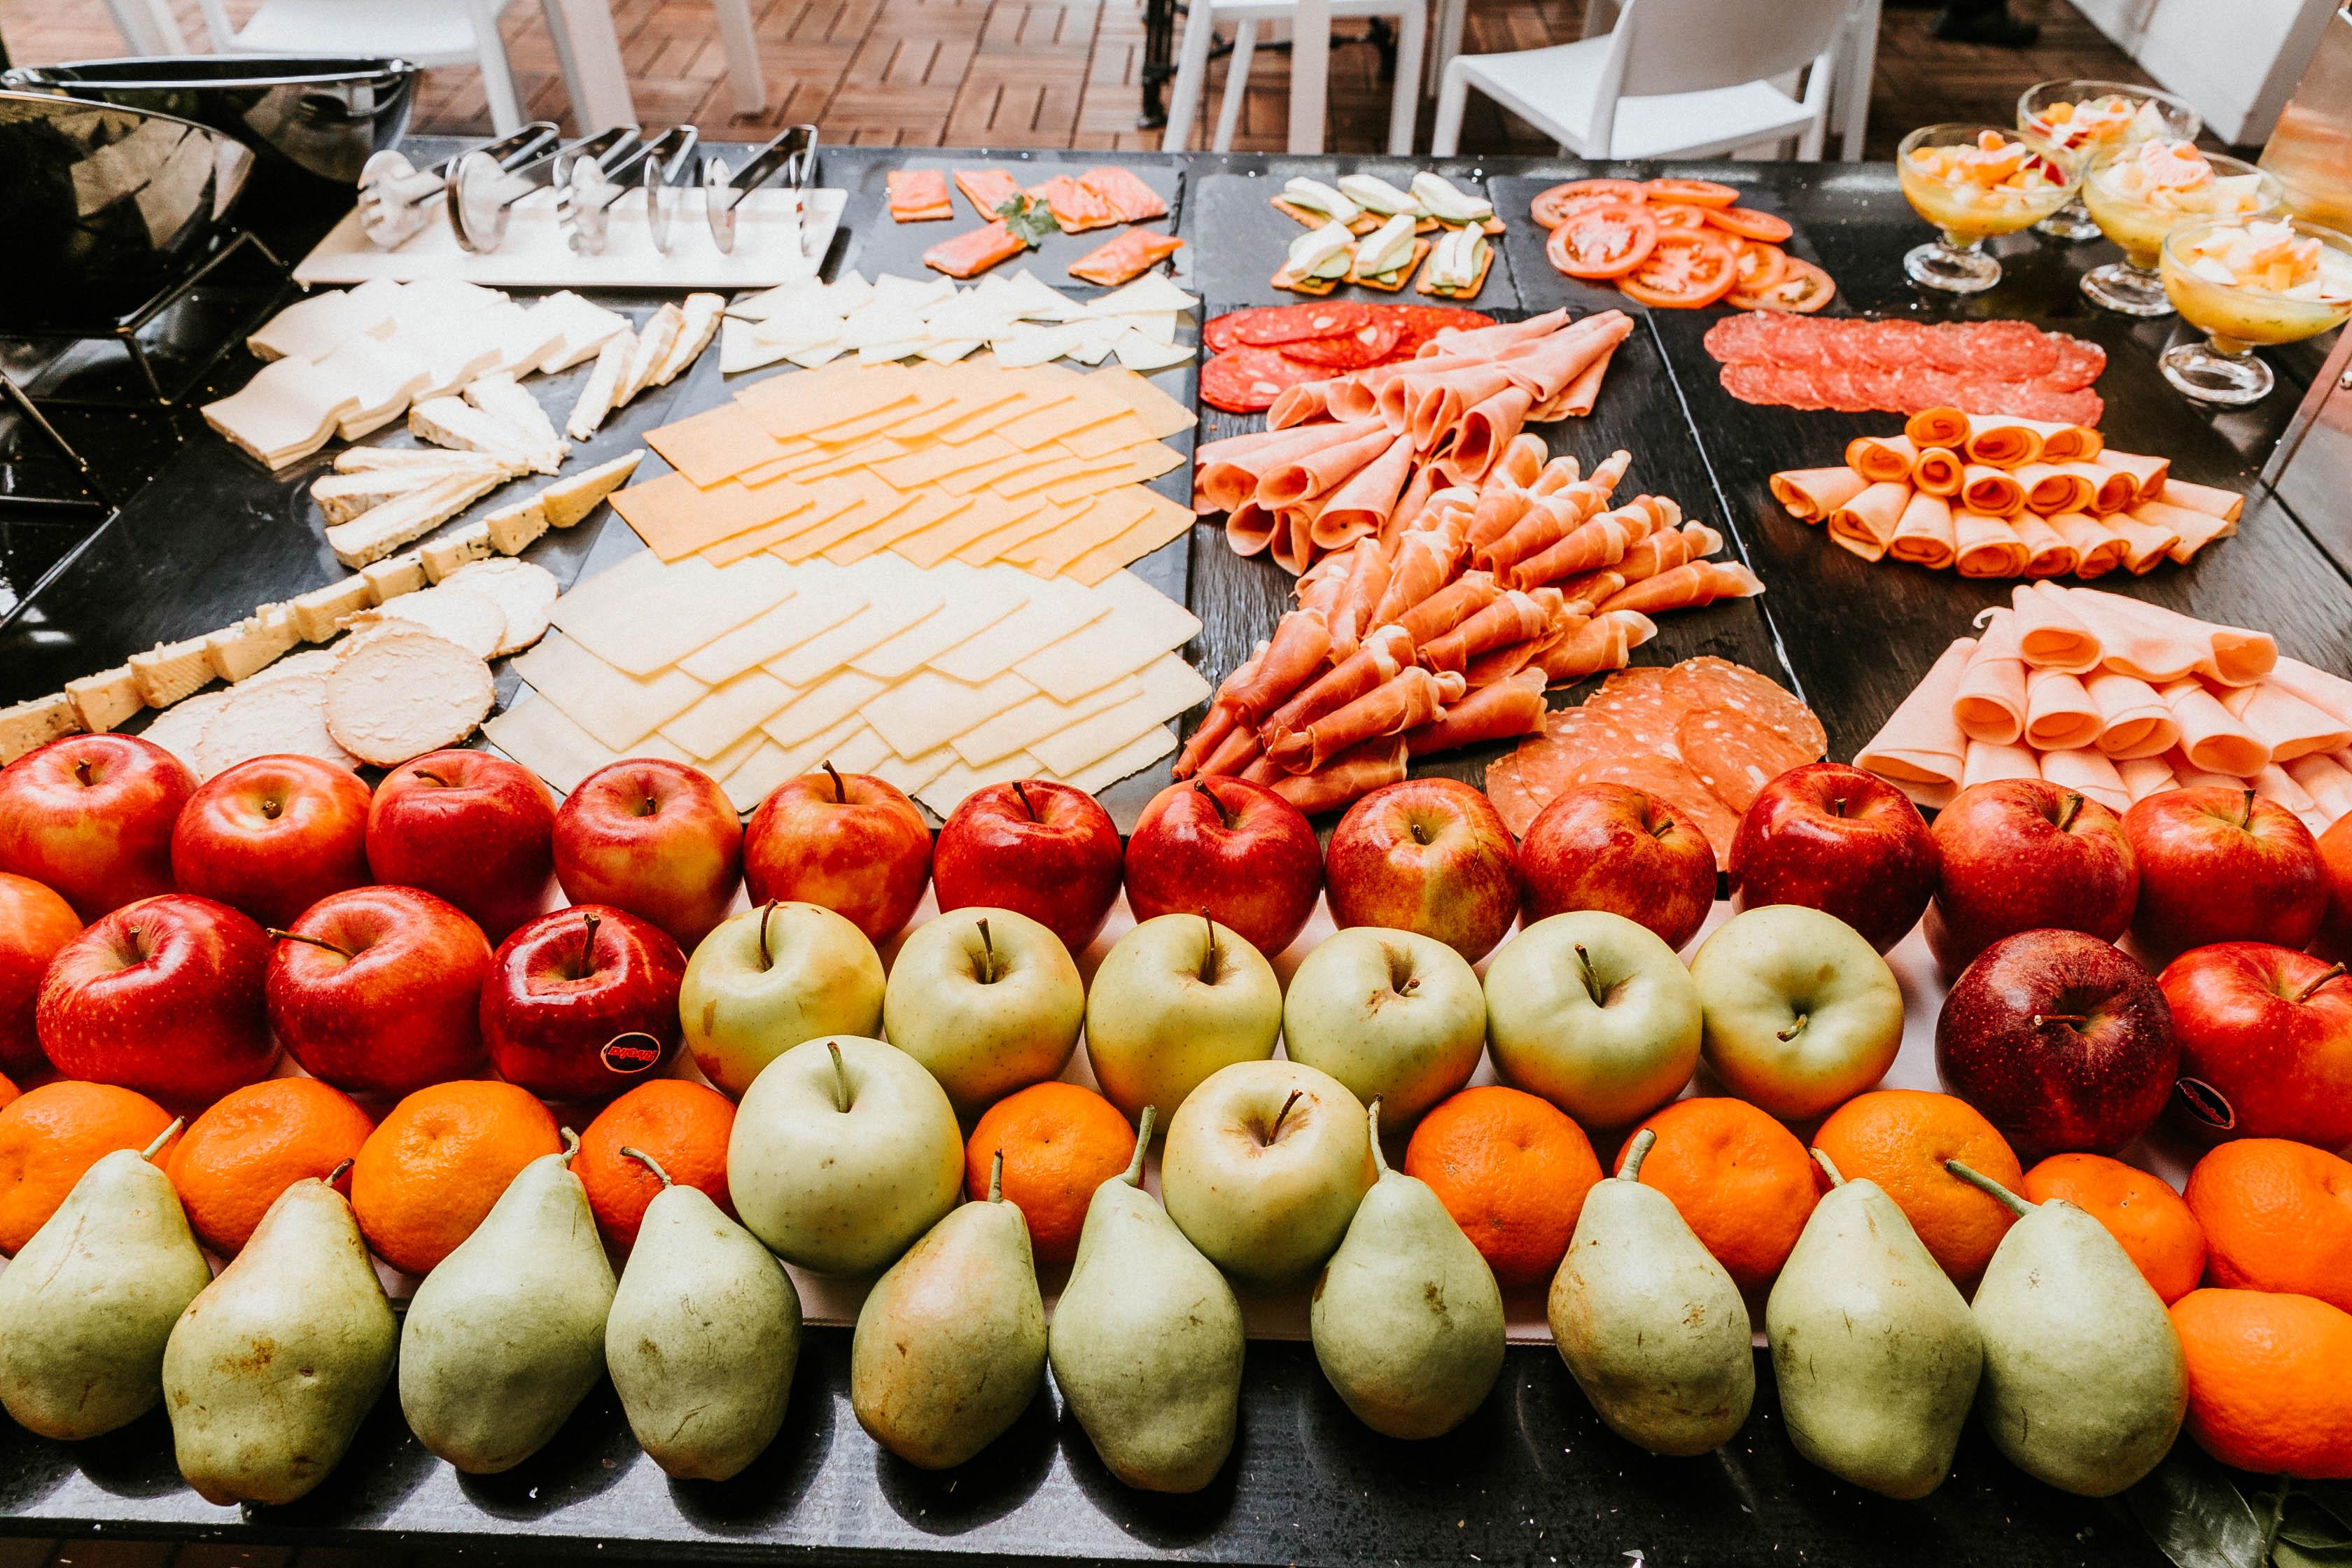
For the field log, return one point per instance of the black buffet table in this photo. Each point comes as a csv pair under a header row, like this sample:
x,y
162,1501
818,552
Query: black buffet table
x,y
1533,1478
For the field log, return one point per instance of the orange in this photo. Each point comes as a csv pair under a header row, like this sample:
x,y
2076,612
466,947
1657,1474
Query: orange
x,y
1900,1138
2270,1382
1513,1170
2140,1211
2277,1216
50,1136
433,1167
9,1092
253,1144
1060,1143
683,1125
1741,1180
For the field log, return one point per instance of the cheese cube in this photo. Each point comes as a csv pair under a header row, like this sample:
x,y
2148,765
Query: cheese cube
x,y
105,699
454,549
169,671
36,723
390,579
319,614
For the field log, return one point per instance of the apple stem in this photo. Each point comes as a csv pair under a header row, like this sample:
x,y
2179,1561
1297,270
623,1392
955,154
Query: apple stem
x,y
2000,1194
1837,805
430,778
1822,1160
987,956
766,909
314,942
1215,804
270,808
162,1138
1372,1119
81,771
2075,1018
1209,957
649,1161
1275,1131
1134,1177
1591,981
587,944
2069,804
1793,1030
2305,994
840,1077
1630,1168
840,790
996,1178
2247,810
571,1145
338,1173
1023,796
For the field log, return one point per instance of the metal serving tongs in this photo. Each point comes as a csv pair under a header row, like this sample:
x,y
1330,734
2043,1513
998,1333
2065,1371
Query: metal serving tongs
x,y
585,200
483,191
396,196
792,154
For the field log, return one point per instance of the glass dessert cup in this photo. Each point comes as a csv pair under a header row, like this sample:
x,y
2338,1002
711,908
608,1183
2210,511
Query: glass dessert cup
x,y
2182,123
2131,287
2221,367
1967,214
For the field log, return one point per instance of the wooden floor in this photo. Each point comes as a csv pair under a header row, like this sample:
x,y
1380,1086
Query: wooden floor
x,y
1064,73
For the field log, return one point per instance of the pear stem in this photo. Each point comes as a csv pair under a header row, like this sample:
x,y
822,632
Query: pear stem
x,y
996,1178
345,952
162,1138
1793,1030
2000,1194
1275,1131
338,1174
1823,1161
571,1145
1630,1168
841,1096
1208,953
987,956
767,961
1373,1116
2305,994
1591,981
1134,1176
649,1161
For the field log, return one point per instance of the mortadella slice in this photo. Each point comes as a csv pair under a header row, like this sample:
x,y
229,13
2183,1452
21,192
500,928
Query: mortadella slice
x,y
1924,534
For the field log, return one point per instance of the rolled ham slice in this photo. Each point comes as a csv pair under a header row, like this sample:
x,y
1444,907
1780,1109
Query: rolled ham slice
x,y
1250,528
1360,508
2284,722
2331,694
2328,783
1385,652
2148,474
1880,459
2098,549
2049,637
1575,400
1304,404
1685,588
2111,490
2146,544
2059,713
1450,606
2089,773
2000,442
1292,655
1507,707
1344,778
1522,462
1989,695
1945,428
2186,774
2228,505
2050,488
2192,531
1812,494
1515,618
2160,646
2134,722
2145,776
1407,701
2274,784
2062,442
1940,471
1987,545
1924,534
1325,469
1986,763
2047,553
1546,365
1992,490
1494,339
1920,749
1484,431
2211,737
1225,473
1869,519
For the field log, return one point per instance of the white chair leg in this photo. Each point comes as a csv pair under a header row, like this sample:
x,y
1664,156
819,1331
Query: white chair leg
x,y
1600,16
1405,104
1859,64
1310,72
589,50
1449,40
1237,72
1446,134
735,39
498,83
1192,78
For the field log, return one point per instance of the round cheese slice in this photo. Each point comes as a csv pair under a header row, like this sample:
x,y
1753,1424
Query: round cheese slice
x,y
399,694
473,621
525,590
309,661
271,717
178,728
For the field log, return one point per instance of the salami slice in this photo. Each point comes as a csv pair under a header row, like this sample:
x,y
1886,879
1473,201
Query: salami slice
x,y
1735,754
1710,682
1371,344
1217,332
2015,350
1947,347
2079,364
1739,340
1640,702
1272,324
1508,790
1247,380
1416,324
1676,784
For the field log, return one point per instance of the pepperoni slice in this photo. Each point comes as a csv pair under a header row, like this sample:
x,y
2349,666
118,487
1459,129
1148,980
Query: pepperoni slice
x,y
2015,350
1749,224
1739,340
2079,364
1606,240
1702,193
1513,802
1550,207
1686,269
1710,682
1246,379
1419,323
1272,324
1217,332
1733,755
1368,344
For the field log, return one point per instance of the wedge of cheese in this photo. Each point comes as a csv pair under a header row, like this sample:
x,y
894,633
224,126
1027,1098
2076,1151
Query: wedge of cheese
x,y
36,723
367,459
456,424
654,343
253,643
566,501
695,330
376,533
587,328
103,700
512,528
502,398
602,393
320,614
340,497
169,671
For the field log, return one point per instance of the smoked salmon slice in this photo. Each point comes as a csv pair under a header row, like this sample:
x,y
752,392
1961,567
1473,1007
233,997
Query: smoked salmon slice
x,y
1126,258
1125,194
971,253
1075,208
986,189
919,196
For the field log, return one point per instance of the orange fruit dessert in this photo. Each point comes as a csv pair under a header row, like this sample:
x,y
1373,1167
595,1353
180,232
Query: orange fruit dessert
x,y
1900,1138
49,1136
434,1166
255,1143
2270,1382
1060,1141
2141,1211
2277,1216
683,1125
1741,1180
1513,1170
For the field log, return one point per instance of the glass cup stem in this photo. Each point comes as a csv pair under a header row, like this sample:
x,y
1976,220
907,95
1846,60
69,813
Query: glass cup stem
x,y
2070,222
2218,370
2128,287
1952,265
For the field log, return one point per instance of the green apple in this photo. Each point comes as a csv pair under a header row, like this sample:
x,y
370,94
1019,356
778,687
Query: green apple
x,y
1802,1013
1594,1013
766,979
1395,1016
988,1000
1174,1000
1264,1165
844,1152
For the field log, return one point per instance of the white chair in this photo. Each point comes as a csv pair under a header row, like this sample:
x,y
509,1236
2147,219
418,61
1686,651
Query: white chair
x,y
1200,21
148,26
1687,78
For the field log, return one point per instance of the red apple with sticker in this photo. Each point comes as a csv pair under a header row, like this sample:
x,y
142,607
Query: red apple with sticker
x,y
655,837
2265,1043
2223,865
2027,855
1228,848
34,924
1428,854
89,816
1045,850
1619,850
1836,839
378,990
850,843
272,835
466,826
582,1004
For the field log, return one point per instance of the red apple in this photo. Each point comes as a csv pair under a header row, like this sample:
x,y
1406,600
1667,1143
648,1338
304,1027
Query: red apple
x,y
1040,849
2265,1043
1836,839
1429,855
2062,1040
34,924
91,817
2334,847
272,835
2223,865
1607,846
655,837
850,842
164,996
1233,850
2027,855
379,990
582,1003
469,828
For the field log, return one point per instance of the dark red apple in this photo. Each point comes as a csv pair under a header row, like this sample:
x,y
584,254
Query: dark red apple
x,y
2027,855
34,924
582,1003
379,990
655,837
1607,846
2062,1040
850,842
469,828
2223,865
164,996
1429,855
2265,1043
1231,850
1040,849
1836,839
90,817
272,835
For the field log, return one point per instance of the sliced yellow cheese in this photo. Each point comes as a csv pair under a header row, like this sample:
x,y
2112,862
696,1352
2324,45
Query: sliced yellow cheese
x,y
1170,686
616,708
820,707
812,610
643,615
928,710
1011,732
536,733
725,714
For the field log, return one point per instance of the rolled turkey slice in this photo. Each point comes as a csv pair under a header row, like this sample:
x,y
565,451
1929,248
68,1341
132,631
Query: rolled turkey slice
x,y
405,693
1920,749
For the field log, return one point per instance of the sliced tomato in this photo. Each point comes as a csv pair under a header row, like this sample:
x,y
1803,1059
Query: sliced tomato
x,y
1749,224
1604,241
1551,205
1702,193
1802,290
1760,266
1680,214
1686,269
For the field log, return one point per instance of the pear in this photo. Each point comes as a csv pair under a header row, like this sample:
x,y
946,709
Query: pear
x,y
89,1303
506,1336
1651,1327
2085,1383
1407,1321
703,1336
950,1343
270,1372
1147,1340
1876,1353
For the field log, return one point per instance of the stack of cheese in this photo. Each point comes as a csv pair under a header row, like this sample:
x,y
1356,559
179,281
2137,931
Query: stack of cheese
x,y
939,680
2120,698
376,499
1042,468
1024,320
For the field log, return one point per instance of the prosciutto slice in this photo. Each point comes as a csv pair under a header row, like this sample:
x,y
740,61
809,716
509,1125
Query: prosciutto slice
x,y
1407,701
1387,651
1367,577
1299,642
1345,778
1319,471
1425,559
1507,707
1686,587
1225,473
1450,606
1515,618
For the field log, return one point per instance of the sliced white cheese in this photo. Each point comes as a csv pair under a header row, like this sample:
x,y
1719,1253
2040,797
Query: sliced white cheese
x,y
822,706
618,708
1318,197
694,333
1153,293
1142,625
1014,731
288,411
909,775
179,730
928,710
382,377
498,395
600,395
1375,194
774,633
473,621
1057,607
1134,757
377,532
974,599
587,328
455,423
270,718
641,618
340,497
397,697
653,346
1170,686
728,713
535,734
